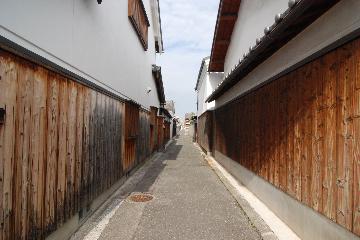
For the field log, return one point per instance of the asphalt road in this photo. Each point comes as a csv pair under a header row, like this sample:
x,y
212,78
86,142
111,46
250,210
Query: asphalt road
x,y
189,202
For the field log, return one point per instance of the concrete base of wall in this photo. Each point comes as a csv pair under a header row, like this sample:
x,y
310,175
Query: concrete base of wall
x,y
304,221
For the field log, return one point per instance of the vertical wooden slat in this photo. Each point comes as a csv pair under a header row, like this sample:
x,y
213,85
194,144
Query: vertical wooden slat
x,y
18,155
79,145
356,149
350,75
276,135
297,136
308,106
62,152
3,86
105,145
8,84
25,79
123,129
290,135
112,131
317,138
344,138
52,143
85,148
283,136
270,142
38,151
70,147
329,167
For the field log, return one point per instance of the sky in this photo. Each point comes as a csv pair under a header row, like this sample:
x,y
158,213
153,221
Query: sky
x,y
188,29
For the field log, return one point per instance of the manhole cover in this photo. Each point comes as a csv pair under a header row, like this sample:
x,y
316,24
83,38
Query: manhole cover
x,y
141,197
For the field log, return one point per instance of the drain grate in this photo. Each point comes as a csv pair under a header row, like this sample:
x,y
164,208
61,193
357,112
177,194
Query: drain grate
x,y
141,197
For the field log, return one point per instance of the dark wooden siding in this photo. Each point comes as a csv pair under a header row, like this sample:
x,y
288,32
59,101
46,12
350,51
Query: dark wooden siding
x,y
204,130
153,129
139,20
302,134
143,141
166,131
61,145
132,124
160,133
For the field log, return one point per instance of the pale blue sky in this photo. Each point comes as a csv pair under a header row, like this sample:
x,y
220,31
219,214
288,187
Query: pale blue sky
x,y
188,29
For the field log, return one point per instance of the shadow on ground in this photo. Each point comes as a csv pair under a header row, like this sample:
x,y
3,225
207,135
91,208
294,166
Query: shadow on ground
x,y
155,170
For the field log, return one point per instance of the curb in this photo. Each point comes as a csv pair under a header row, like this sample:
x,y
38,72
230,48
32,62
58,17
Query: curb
x,y
264,230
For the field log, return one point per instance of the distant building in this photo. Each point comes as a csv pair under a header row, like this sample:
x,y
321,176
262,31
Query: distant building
x,y
170,106
189,116
205,85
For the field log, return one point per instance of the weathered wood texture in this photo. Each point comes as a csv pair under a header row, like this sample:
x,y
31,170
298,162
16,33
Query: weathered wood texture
x,y
205,130
302,134
143,141
61,146
139,20
160,132
153,129
132,130
166,131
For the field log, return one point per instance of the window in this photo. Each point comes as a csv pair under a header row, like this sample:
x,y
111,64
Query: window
x,y
139,20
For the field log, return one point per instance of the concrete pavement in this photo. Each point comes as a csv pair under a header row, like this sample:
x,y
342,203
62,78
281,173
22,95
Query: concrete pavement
x,y
190,202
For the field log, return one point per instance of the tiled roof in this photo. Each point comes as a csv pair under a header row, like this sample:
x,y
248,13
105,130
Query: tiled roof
x,y
299,15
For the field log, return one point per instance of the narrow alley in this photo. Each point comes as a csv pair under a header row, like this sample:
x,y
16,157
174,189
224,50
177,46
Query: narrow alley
x,y
162,119
189,202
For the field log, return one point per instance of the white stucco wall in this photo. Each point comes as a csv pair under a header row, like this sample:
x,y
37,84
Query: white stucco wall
x,y
339,21
94,41
253,17
208,82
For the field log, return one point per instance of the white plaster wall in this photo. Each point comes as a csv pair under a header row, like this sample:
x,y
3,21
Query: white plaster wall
x,y
94,41
339,21
212,82
208,82
253,17
201,93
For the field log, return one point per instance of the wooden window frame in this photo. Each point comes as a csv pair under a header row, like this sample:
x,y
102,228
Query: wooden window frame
x,y
139,20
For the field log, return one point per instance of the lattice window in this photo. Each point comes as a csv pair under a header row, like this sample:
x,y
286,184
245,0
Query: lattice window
x,y
139,20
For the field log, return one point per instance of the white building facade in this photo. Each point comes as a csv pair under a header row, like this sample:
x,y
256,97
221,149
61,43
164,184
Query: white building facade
x,y
95,41
206,83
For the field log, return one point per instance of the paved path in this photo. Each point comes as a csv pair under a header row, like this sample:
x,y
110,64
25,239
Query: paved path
x,y
190,202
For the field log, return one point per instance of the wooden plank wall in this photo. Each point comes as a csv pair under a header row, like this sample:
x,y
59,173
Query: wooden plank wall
x,y
160,133
143,141
132,125
302,134
166,131
138,18
204,130
174,133
153,129
61,146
